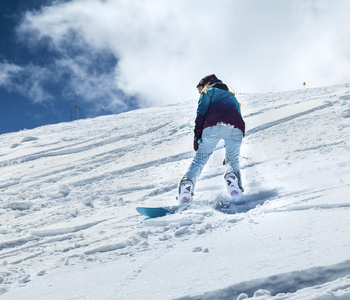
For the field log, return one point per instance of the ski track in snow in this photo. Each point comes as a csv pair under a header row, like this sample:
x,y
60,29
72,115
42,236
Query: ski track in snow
x,y
288,283
286,119
68,194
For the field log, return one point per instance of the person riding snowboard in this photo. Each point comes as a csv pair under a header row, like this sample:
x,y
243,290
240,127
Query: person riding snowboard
x,y
218,117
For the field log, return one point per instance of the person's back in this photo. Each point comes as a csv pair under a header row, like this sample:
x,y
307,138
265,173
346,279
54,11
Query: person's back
x,y
220,106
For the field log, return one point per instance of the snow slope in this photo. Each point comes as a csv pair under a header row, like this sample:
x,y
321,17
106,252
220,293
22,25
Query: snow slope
x,y
68,193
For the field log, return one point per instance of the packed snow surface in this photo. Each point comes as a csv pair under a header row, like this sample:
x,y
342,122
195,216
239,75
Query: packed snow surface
x,y
68,196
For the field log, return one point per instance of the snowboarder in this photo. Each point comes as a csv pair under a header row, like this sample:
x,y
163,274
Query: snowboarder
x,y
218,117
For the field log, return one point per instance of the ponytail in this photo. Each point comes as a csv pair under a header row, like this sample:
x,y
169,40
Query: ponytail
x,y
230,90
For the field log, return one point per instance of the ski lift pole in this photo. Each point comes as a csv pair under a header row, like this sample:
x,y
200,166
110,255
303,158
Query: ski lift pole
x,y
77,108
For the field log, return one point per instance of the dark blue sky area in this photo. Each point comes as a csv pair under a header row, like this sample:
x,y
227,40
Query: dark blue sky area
x,y
18,112
18,109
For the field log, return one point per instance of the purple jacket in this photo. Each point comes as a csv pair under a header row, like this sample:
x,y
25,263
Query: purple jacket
x,y
215,106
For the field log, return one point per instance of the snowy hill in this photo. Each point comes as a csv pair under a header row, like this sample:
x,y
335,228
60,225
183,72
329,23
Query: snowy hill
x,y
68,193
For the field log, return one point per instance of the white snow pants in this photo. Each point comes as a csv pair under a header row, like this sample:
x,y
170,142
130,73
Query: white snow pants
x,y
210,138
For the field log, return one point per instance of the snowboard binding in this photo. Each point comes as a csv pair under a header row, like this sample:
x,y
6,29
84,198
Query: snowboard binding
x,y
185,191
232,184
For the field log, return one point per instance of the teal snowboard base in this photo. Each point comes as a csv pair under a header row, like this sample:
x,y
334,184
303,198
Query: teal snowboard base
x,y
222,206
156,212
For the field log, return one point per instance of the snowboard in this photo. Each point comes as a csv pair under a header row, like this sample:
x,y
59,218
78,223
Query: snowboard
x,y
222,203
156,212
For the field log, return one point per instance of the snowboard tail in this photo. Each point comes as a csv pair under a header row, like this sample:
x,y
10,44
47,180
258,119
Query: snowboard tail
x,y
156,212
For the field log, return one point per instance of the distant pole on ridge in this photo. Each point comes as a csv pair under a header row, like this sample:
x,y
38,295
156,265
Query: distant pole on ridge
x,y
77,108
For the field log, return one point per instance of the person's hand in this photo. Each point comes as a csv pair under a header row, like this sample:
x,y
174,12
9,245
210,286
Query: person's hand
x,y
197,139
196,143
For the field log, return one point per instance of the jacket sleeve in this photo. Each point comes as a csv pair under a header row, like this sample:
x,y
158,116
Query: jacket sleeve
x,y
203,107
237,105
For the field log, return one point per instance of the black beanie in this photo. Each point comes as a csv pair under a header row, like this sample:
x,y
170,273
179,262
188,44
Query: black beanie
x,y
207,80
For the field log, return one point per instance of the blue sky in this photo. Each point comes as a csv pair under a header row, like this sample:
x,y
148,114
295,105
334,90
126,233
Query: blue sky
x,y
16,112
110,56
37,94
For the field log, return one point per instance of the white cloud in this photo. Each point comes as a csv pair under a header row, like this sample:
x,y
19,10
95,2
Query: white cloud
x,y
164,47
6,72
27,81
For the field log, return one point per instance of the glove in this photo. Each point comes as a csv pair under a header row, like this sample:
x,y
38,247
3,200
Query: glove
x,y
195,144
